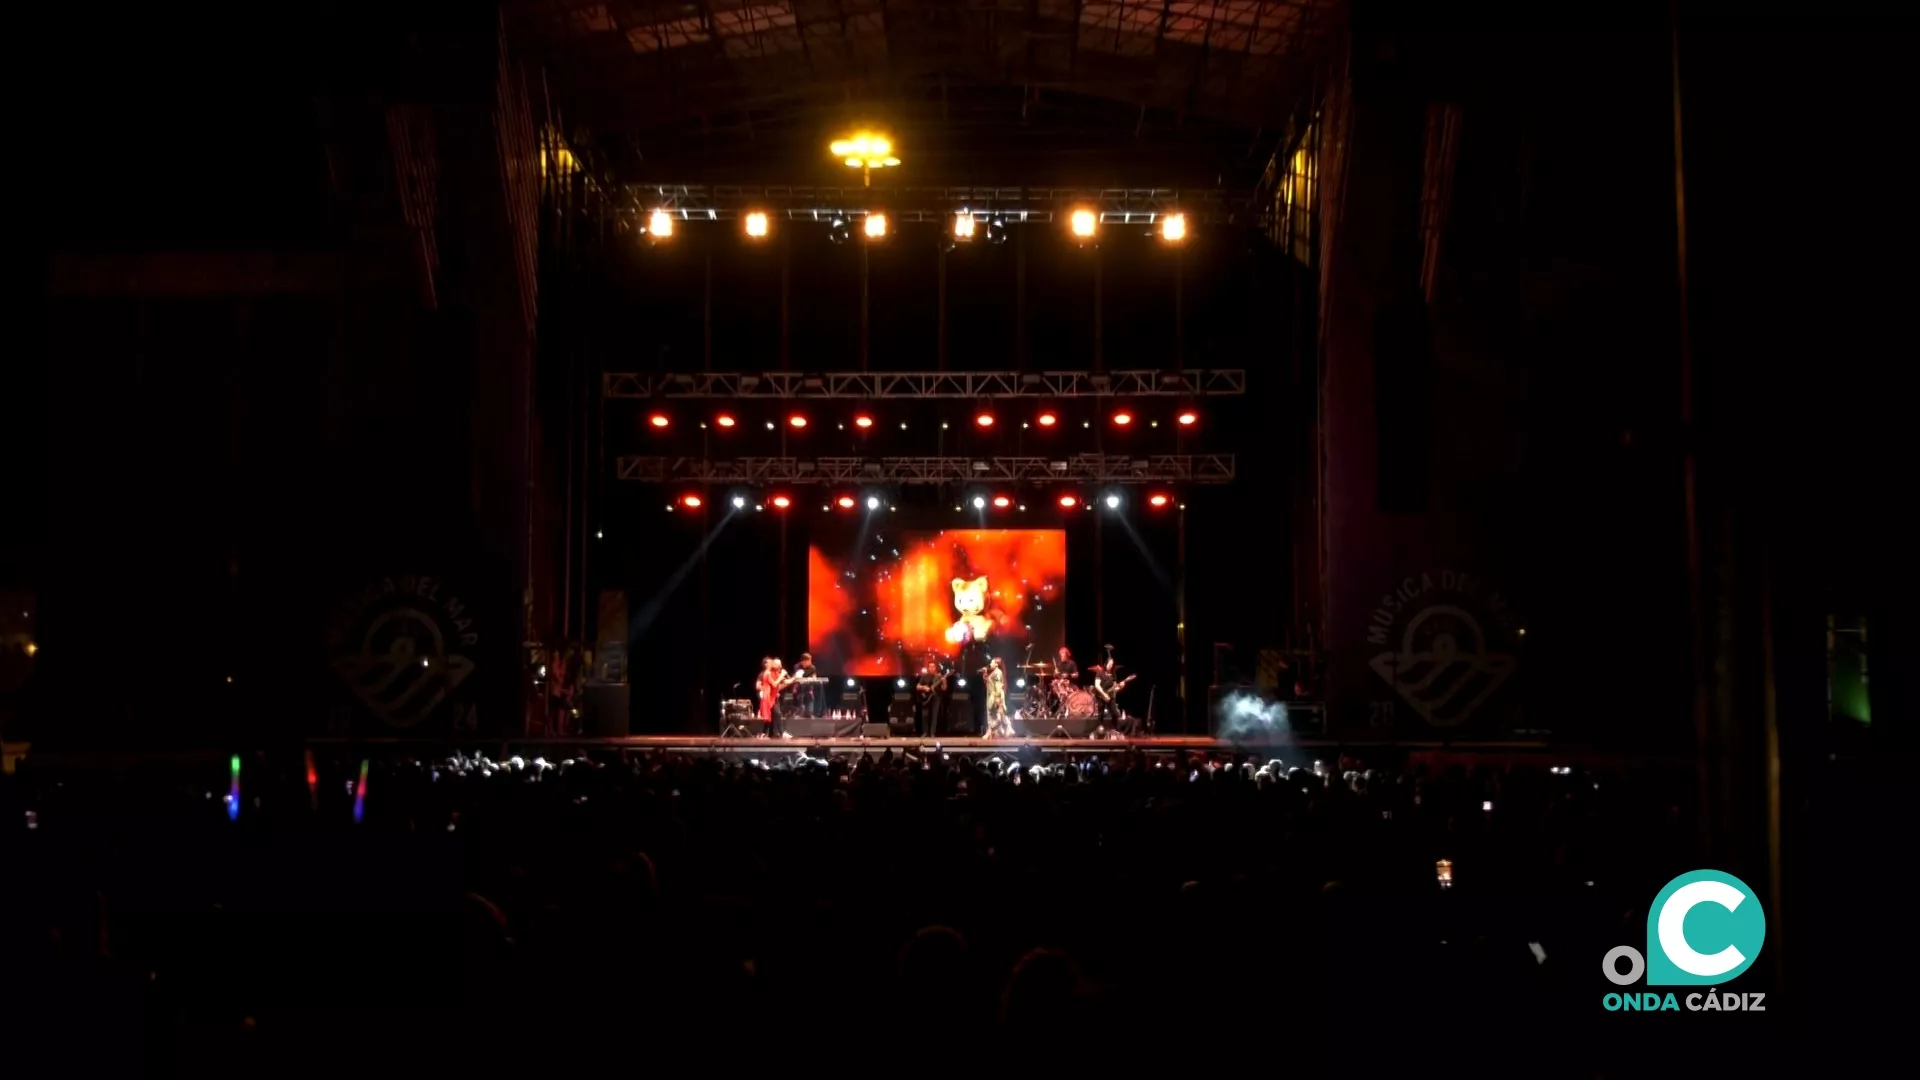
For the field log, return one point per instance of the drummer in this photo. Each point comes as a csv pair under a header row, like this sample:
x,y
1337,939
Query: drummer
x,y
1064,667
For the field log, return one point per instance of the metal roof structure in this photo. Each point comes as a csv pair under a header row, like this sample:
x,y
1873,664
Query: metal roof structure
x,y
709,91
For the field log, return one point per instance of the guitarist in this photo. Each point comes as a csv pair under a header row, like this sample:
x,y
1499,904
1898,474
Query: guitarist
x,y
929,688
1106,694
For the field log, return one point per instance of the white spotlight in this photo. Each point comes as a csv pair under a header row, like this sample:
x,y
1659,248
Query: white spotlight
x,y
739,501
979,503
873,502
900,684
1113,502
1019,684
961,683
851,684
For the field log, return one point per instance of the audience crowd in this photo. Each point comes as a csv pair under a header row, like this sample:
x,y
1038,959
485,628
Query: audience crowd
x,y
319,912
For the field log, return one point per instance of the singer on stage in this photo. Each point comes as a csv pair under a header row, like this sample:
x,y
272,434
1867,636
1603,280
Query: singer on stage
x,y
998,726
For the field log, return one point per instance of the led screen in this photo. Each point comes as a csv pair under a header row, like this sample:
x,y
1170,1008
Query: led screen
x,y
888,602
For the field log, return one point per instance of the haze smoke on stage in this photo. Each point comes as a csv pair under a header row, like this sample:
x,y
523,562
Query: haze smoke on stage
x,y
1245,715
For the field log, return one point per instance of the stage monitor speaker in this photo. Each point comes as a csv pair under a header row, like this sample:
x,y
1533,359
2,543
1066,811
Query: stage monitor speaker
x,y
604,711
875,731
1056,727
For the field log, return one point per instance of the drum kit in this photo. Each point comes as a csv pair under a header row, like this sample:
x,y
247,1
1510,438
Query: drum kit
x,y
1052,696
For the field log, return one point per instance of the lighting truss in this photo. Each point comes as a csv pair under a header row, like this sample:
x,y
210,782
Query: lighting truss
x,y
972,385
1116,206
1075,469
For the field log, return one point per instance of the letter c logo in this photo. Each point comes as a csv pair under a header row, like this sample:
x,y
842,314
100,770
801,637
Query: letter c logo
x,y
1720,910
1673,932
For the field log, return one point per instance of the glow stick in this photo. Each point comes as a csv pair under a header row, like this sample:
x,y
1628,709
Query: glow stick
x,y
360,794
233,792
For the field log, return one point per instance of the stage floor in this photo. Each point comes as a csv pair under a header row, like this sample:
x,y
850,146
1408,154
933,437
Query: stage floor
x,y
751,747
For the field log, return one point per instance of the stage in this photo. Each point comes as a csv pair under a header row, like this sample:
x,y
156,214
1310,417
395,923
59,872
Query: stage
x,y
715,746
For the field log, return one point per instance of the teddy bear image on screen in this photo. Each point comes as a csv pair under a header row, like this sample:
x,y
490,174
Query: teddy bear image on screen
x,y
970,599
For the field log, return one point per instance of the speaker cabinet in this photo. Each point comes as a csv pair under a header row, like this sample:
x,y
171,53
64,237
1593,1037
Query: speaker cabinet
x,y
604,711
1071,727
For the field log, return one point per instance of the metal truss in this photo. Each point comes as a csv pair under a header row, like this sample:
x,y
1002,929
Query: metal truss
x,y
1014,205
971,385
1077,469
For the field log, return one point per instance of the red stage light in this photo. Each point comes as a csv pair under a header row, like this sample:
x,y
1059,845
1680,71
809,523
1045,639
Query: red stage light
x,y
724,420
781,502
1188,418
1002,501
1069,501
797,420
658,420
691,502
1157,500
1123,418
845,502
863,421
984,419
1046,419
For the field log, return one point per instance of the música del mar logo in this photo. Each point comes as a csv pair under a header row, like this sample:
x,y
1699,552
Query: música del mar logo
x,y
1703,929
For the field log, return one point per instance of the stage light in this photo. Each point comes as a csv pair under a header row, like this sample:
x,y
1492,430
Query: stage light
x,y
979,502
1019,684
1187,418
1113,502
876,226
1046,419
962,684
739,502
1069,502
997,230
781,502
1122,418
839,231
1002,502
851,683
845,502
723,420
984,420
865,151
1173,228
1085,222
1156,500
873,502
660,225
659,420
796,420
963,226
691,502
900,684
863,421
757,225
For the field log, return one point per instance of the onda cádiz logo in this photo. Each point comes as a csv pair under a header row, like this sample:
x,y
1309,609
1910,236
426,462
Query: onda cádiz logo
x,y
1703,929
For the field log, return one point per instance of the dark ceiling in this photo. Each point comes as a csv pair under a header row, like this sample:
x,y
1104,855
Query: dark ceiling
x,y
1120,92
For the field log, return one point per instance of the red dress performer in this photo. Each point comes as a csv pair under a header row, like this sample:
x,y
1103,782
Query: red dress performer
x,y
770,685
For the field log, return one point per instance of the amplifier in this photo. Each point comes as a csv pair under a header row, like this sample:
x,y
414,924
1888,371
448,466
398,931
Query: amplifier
x,y
604,711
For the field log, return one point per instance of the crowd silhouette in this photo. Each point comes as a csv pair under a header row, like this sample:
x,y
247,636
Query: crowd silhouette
x,y
603,908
